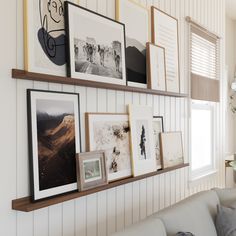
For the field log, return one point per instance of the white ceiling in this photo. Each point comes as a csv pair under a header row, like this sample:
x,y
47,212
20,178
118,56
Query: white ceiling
x,y
231,9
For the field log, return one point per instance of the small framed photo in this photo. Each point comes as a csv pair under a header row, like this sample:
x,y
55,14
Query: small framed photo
x,y
158,128
142,140
171,149
54,140
96,48
91,170
110,132
156,67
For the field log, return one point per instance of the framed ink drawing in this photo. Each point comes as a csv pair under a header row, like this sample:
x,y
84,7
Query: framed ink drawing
x,y
54,140
158,128
44,36
96,48
142,140
165,34
136,19
91,170
171,149
110,132
156,67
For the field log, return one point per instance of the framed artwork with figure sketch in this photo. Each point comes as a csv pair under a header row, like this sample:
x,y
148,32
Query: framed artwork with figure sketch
x,y
96,48
54,140
44,36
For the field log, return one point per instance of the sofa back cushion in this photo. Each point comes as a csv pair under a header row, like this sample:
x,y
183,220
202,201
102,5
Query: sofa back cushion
x,y
227,196
195,214
148,227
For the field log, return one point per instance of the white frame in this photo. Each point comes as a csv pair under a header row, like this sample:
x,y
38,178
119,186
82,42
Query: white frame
x,y
105,117
142,113
73,10
207,170
33,95
133,6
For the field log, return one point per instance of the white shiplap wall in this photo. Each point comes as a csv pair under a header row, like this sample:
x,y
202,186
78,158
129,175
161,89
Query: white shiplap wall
x,y
108,211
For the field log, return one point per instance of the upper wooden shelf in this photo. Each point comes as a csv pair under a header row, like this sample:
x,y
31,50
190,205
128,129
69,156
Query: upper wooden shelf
x,y
25,204
26,75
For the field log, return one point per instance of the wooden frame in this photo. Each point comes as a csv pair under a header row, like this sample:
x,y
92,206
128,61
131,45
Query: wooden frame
x,y
136,18
89,182
110,132
171,155
51,116
173,82
156,79
94,55
157,141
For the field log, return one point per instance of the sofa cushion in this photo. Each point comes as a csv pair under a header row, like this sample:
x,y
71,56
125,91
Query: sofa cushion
x,y
225,221
227,196
148,227
195,214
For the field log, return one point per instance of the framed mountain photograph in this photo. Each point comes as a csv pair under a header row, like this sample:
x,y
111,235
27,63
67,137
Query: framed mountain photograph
x,y
96,48
136,19
54,140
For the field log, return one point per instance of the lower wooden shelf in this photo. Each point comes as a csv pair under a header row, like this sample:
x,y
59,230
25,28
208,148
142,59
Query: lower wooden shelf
x,y
25,204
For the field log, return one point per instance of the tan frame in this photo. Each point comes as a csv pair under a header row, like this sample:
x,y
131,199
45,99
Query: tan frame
x,y
80,158
164,164
153,37
148,58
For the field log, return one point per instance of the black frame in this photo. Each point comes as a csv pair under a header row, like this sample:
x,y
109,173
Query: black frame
x,y
68,46
30,140
162,122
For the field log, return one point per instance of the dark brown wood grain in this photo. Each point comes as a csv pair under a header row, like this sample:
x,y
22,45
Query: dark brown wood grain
x,y
25,204
25,75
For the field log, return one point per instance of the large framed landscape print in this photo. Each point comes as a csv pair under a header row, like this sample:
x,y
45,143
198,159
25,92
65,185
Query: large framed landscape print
x,y
136,19
96,46
54,140
44,36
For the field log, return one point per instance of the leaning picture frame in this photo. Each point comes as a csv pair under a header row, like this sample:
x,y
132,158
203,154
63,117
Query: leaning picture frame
x,y
136,18
44,37
91,170
54,139
110,132
96,46
165,34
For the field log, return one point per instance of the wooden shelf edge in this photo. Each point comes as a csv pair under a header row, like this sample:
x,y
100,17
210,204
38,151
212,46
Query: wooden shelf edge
x,y
25,204
22,74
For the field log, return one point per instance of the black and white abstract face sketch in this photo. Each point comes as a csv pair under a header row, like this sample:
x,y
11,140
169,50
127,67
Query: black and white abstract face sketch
x,y
51,35
143,139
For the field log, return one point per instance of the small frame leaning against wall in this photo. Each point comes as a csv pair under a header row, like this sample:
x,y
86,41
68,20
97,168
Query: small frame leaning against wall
x,y
54,140
96,48
171,149
91,170
165,34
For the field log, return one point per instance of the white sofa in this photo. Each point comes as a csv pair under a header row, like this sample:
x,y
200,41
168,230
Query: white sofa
x,y
195,214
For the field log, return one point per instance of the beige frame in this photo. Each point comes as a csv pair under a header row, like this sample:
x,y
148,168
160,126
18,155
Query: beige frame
x,y
153,39
80,158
165,164
148,58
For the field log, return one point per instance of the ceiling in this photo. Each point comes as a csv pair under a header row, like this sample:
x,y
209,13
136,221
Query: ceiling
x,y
231,9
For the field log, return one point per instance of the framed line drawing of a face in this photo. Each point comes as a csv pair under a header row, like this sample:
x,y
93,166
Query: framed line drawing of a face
x,y
45,36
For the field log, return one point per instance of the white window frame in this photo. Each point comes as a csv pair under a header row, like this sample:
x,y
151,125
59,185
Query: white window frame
x,y
210,169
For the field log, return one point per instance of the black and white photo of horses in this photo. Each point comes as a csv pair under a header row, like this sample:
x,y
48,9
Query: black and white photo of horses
x,y
98,46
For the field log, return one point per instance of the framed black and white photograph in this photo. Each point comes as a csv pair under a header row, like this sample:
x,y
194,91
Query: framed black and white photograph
x,y
110,132
165,34
136,18
142,140
91,170
156,67
96,48
54,140
158,127
44,36
171,149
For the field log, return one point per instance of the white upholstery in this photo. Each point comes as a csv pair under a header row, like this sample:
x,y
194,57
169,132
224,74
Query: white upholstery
x,y
195,214
148,227
226,196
